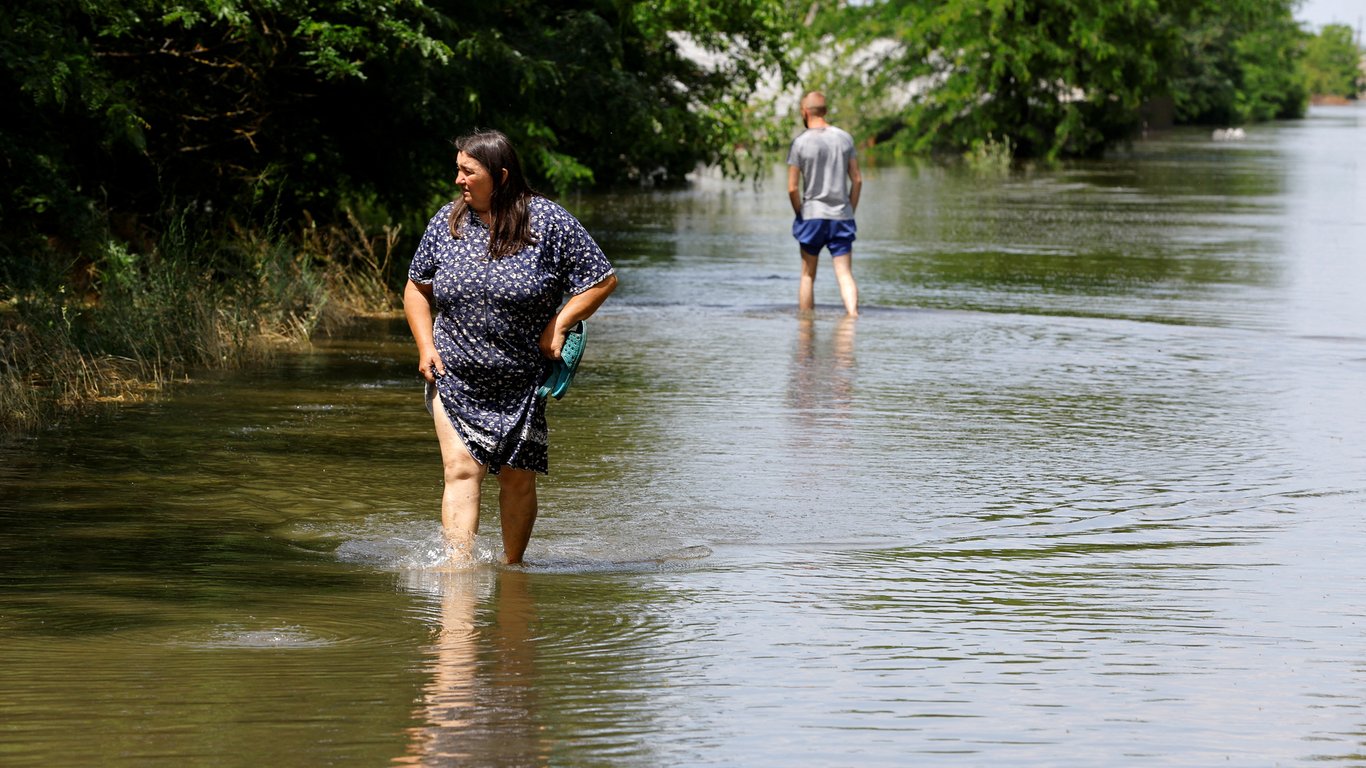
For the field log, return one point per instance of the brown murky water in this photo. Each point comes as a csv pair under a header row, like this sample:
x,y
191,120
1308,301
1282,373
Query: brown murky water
x,y
1084,486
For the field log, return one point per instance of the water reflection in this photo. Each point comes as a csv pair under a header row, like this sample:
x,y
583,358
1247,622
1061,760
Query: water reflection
x,y
821,380
558,663
480,704
822,374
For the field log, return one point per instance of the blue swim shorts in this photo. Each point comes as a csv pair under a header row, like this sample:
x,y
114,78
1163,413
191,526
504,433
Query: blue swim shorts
x,y
815,234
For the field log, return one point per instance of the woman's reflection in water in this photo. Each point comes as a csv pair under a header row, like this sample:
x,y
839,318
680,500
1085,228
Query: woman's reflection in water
x,y
479,708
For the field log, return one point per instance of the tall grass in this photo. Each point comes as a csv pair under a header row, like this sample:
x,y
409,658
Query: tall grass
x,y
193,301
357,268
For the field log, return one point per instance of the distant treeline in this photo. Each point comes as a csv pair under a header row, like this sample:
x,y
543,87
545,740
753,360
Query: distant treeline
x,y
186,178
1057,78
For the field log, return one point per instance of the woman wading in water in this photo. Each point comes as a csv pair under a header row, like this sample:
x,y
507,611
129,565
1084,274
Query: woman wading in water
x,y
483,303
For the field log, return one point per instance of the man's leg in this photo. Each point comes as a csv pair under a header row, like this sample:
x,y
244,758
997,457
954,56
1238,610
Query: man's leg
x,y
517,503
806,289
844,275
463,476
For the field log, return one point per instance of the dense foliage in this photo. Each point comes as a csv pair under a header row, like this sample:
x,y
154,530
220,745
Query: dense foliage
x,y
1333,62
187,178
1057,77
121,112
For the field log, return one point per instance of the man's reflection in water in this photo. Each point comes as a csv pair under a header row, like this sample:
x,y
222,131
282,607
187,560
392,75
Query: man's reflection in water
x,y
480,707
822,378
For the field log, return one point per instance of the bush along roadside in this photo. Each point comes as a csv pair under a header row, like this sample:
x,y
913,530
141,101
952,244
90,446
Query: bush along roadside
x,y
119,326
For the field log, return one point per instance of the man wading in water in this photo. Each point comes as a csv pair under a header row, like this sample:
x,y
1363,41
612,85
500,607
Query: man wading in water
x,y
823,183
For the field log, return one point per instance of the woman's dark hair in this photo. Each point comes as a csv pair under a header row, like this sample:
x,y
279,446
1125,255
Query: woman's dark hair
x,y
510,230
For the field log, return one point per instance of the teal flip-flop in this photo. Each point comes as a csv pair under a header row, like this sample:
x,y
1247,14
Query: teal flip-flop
x,y
563,370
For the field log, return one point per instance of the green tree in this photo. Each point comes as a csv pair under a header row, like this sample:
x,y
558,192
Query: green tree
x,y
122,112
125,112
1238,62
1333,62
180,175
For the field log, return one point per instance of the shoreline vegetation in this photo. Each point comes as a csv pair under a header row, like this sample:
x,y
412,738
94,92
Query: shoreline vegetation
x,y
125,328
199,186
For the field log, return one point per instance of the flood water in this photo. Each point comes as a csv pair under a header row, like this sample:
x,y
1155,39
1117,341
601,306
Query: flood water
x,y
1085,485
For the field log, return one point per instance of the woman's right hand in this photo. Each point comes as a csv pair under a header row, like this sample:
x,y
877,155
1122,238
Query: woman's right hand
x,y
429,364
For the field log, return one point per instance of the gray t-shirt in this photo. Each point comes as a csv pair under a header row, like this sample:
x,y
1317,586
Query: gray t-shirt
x,y
823,155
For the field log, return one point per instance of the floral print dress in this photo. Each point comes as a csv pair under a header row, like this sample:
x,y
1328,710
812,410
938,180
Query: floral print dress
x,y
489,318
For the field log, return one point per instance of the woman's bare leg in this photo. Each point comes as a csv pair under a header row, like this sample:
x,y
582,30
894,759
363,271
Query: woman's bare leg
x,y
463,476
517,503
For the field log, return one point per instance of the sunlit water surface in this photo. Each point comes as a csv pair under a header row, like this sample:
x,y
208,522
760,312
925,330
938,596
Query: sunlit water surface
x,y
1084,486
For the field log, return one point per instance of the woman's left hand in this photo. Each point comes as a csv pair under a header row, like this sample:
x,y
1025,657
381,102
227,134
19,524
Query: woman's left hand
x,y
579,307
552,339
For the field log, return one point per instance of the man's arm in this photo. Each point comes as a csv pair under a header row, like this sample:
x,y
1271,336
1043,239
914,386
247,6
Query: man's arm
x,y
794,188
855,182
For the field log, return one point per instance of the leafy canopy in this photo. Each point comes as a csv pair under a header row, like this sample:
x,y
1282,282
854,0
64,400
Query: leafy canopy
x,y
121,112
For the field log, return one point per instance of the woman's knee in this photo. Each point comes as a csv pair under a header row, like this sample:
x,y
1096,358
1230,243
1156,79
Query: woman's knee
x,y
460,466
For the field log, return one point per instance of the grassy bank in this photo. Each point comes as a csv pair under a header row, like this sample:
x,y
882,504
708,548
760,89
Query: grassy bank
x,y
113,325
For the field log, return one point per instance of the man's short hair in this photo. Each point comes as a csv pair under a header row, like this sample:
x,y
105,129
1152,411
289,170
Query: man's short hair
x,y
814,102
